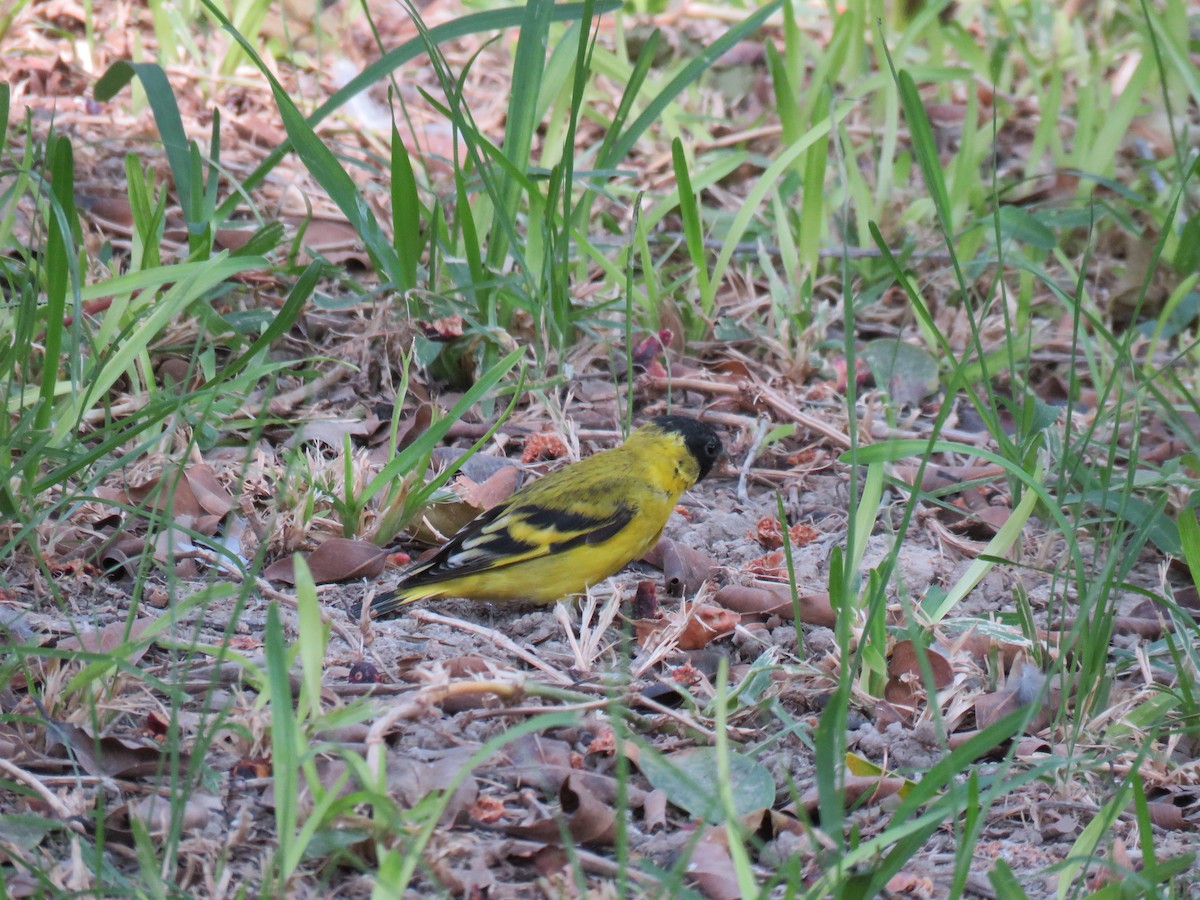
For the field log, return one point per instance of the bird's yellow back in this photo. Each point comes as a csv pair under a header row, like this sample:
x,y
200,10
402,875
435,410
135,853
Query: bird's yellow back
x,y
574,527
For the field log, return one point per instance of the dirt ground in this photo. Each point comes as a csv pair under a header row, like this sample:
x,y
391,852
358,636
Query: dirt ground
x,y
446,678
495,839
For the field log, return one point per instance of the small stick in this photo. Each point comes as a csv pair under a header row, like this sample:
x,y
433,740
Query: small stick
x,y
760,432
424,615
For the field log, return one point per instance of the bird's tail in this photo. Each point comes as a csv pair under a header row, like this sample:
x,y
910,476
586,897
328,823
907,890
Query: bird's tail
x,y
388,604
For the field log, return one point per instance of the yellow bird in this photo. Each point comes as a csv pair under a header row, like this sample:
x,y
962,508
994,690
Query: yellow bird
x,y
571,529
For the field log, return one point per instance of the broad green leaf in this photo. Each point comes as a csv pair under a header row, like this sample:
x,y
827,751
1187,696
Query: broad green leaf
x,y
689,779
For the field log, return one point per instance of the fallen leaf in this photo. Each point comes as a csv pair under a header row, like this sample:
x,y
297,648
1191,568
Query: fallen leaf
x,y
688,778
492,492
1023,687
685,569
104,641
212,496
711,867
588,820
447,328
859,789
109,756
766,599
905,680
705,624
337,559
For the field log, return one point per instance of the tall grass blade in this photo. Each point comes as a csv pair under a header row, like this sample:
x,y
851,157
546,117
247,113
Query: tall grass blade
x,y
61,269
166,116
406,214
693,231
493,20
521,121
688,75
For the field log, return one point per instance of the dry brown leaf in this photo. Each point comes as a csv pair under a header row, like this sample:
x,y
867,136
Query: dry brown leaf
x,y
411,780
1023,687
589,820
705,624
335,240
495,490
711,868
414,426
105,640
447,328
939,478
174,372
110,756
1166,814
210,493
888,714
337,559
539,751
169,494
980,646
156,814
904,673
685,569
765,599
859,788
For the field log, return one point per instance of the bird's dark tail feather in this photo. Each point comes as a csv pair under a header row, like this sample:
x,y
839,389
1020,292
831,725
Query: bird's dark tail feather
x,y
385,605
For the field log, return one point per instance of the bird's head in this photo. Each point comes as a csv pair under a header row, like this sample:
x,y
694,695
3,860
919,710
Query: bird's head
x,y
700,439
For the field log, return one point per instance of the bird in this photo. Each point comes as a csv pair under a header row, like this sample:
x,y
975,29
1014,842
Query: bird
x,y
571,529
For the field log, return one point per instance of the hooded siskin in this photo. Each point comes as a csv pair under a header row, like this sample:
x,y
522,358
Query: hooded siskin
x,y
571,529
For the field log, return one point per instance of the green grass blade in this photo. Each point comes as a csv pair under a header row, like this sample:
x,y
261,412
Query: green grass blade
x,y
325,168
60,269
493,20
406,214
285,735
521,121
186,291
812,207
692,230
5,105
419,449
166,116
687,76
925,148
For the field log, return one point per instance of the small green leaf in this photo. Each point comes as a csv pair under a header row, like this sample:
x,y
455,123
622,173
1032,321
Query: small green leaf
x,y
906,371
689,778
1187,254
1019,225
729,329
1189,541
